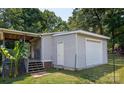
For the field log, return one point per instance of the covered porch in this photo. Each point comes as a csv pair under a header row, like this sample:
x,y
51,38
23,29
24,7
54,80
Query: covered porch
x,y
34,40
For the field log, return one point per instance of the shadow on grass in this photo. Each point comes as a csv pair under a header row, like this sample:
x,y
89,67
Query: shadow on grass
x,y
11,80
92,74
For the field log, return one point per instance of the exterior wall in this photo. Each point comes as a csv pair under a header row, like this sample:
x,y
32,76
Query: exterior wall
x,y
74,50
69,50
47,48
81,51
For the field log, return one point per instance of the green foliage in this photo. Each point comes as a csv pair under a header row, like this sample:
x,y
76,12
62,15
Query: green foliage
x,y
20,51
31,19
108,22
9,44
53,23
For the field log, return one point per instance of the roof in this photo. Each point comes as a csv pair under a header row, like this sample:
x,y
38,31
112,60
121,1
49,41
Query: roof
x,y
53,33
19,32
81,32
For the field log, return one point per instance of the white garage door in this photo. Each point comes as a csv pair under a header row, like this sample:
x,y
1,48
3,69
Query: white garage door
x,y
93,52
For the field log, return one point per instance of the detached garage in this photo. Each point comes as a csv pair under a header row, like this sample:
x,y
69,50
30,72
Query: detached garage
x,y
78,50
74,50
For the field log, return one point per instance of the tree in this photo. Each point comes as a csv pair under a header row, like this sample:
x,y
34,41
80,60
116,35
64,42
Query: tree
x,y
53,23
22,19
31,19
102,21
87,19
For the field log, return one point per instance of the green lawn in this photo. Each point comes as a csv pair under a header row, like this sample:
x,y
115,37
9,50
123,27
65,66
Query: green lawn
x,y
99,74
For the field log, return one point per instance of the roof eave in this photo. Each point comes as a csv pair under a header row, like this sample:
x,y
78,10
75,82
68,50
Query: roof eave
x,y
19,32
82,32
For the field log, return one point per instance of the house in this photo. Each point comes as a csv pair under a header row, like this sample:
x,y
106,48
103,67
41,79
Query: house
x,y
74,50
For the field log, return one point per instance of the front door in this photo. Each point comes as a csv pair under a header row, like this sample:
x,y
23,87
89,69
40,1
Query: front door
x,y
60,53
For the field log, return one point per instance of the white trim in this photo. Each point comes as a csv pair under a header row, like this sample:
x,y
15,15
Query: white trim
x,y
93,40
82,32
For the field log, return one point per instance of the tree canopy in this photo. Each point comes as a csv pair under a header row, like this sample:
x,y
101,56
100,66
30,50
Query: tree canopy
x,y
103,21
31,19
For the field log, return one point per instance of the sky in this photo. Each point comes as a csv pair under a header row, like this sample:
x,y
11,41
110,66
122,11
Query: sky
x,y
64,13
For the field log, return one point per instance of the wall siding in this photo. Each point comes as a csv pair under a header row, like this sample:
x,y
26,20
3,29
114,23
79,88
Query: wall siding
x,y
49,50
81,63
47,47
69,50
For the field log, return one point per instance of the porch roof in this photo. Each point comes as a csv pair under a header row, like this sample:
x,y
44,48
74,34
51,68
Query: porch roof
x,y
16,35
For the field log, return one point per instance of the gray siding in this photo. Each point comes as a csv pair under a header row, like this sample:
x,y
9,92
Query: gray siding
x,y
74,50
47,47
81,61
69,50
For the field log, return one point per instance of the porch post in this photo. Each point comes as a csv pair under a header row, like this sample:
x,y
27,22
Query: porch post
x,y
27,62
32,50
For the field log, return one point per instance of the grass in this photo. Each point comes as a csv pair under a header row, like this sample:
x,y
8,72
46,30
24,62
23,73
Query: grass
x,y
99,74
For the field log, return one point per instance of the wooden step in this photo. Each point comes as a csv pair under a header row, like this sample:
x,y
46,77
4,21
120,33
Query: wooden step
x,y
35,67
35,64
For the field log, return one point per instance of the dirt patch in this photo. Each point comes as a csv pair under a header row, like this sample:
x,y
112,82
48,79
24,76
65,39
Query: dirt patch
x,y
39,74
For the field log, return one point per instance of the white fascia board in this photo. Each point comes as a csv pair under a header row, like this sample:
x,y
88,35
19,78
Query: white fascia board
x,y
83,33
92,34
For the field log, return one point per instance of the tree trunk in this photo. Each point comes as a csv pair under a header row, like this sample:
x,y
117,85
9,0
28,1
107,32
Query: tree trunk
x,y
101,29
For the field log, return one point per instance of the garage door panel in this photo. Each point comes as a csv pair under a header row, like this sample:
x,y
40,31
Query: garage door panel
x,y
93,53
